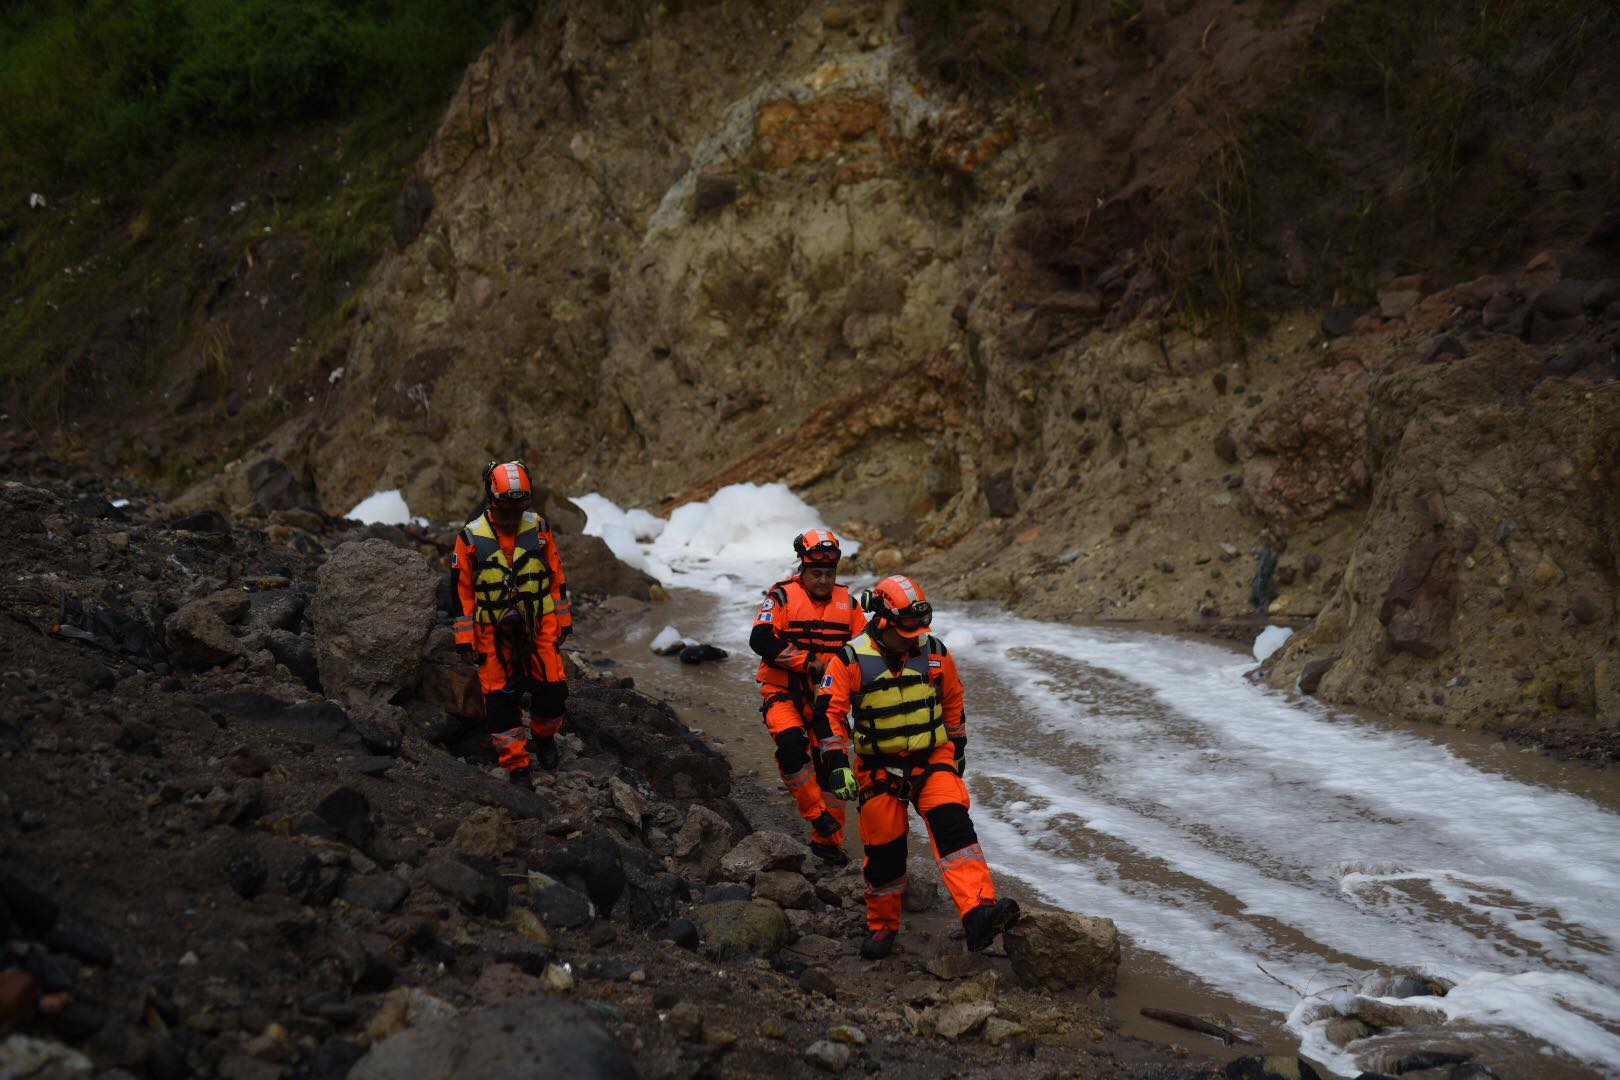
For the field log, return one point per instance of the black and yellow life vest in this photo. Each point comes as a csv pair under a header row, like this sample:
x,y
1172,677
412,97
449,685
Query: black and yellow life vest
x,y
895,713
522,583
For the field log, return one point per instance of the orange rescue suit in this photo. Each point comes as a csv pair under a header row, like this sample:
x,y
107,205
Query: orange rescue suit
x,y
873,701
534,584
792,631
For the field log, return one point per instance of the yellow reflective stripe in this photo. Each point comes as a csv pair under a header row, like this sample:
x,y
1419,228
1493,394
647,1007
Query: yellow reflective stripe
x,y
895,886
967,854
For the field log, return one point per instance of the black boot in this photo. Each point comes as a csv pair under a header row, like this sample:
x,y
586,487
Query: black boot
x,y
831,854
878,944
545,752
523,777
826,824
987,920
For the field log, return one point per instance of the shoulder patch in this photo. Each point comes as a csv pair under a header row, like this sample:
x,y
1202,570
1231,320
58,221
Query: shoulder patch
x,y
766,616
826,682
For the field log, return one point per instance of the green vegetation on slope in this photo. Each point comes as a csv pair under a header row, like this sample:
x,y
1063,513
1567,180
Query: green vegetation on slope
x,y
97,90
168,138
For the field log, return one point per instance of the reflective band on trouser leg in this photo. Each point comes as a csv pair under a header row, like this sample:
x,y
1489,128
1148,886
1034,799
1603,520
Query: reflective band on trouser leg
x,y
883,834
943,804
512,747
804,789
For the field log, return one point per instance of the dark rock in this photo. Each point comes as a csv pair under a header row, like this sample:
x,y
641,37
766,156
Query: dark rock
x,y
1337,321
681,931
126,633
479,893
1472,1071
1564,300
1419,604
734,928
610,970
277,609
698,654
30,909
412,208
274,486
652,899
308,882
502,1042
818,980
164,1058
296,652
323,723
18,994
1442,347
247,871
558,905
1585,610
199,638
1261,590
1373,1076
1310,676
1428,1059
134,733
369,640
1310,565
349,814
81,946
51,976
1000,494
594,864
381,893
1543,330
1256,1067
203,521
76,1023
380,725
729,891
1600,294
713,193
373,766
335,1059
1566,363
1225,446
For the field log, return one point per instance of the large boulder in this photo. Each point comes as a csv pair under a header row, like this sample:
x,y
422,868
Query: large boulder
x,y
373,611
199,638
703,840
511,1041
761,851
593,568
1059,950
732,928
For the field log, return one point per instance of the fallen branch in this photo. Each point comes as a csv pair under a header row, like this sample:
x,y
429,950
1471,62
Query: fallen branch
x,y
1193,1023
1299,993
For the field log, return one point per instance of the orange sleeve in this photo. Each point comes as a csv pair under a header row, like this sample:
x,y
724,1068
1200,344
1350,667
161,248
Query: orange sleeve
x,y
952,697
838,685
772,612
857,618
463,564
559,580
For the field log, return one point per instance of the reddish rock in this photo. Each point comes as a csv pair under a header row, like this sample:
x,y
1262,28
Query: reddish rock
x,y
17,997
1420,602
1306,452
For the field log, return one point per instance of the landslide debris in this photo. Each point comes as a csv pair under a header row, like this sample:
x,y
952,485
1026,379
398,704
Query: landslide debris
x,y
212,865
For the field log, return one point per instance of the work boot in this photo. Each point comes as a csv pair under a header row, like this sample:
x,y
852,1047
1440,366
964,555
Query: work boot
x,y
878,944
545,752
831,854
826,824
522,777
987,920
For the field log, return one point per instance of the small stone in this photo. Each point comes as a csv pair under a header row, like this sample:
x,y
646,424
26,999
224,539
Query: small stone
x,y
1584,609
685,1020
18,996
1545,573
717,1036
998,1030
772,1028
829,1056
559,977
820,981
847,1033
955,1021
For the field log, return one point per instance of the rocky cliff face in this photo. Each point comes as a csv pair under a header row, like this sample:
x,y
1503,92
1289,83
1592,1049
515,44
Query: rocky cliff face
x,y
656,250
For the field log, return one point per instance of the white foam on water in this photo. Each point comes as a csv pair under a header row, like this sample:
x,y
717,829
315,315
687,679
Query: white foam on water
x,y
384,508
664,639
1221,823
734,545
1270,640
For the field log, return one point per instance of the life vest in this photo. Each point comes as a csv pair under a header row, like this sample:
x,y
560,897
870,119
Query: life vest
x,y
801,621
896,713
502,585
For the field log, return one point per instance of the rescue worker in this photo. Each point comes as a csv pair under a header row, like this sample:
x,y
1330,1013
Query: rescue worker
x,y
894,694
802,621
514,614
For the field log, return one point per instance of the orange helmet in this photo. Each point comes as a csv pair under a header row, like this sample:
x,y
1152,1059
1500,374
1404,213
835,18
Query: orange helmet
x,y
817,546
508,483
900,603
